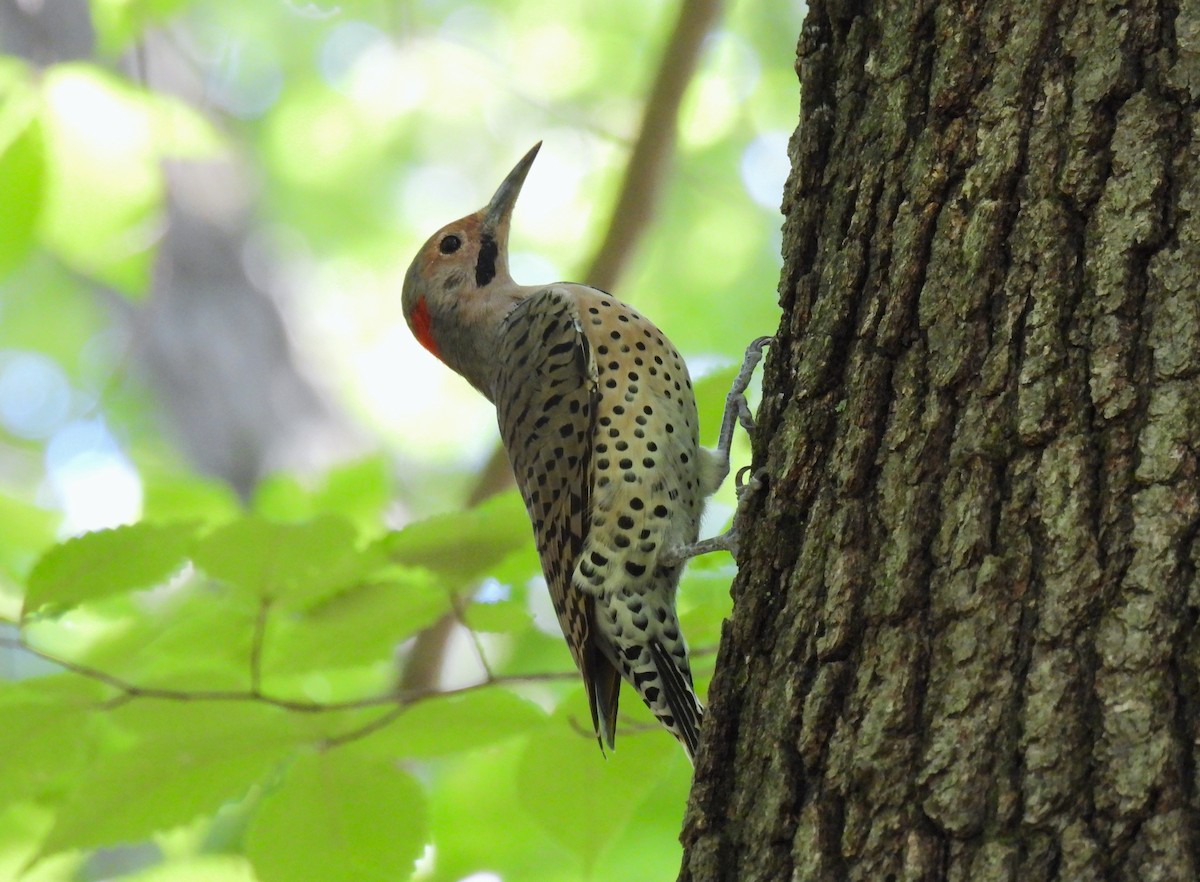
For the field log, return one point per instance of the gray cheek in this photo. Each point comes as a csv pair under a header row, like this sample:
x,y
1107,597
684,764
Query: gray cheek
x,y
454,280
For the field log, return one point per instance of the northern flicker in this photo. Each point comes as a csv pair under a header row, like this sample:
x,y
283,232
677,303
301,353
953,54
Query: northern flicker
x,y
597,414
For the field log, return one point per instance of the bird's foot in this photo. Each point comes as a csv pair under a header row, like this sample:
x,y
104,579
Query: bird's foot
x,y
729,540
737,409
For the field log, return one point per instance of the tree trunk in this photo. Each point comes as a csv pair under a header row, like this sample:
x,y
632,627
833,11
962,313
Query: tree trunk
x,y
964,643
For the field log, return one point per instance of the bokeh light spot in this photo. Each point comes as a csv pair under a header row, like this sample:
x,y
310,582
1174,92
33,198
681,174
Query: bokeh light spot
x,y
341,51
90,479
35,396
765,167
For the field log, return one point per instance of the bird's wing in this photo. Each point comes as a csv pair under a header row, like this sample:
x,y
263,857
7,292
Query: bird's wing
x,y
546,395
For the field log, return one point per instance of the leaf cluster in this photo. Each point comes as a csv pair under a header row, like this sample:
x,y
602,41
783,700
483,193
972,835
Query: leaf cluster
x,y
237,677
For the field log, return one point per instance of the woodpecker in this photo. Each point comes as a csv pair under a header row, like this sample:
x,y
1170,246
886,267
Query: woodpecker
x,y
597,415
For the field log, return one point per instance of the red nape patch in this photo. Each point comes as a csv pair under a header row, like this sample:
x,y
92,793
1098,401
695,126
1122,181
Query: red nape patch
x,y
420,325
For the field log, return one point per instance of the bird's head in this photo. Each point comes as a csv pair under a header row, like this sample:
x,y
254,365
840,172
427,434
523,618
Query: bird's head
x,y
458,285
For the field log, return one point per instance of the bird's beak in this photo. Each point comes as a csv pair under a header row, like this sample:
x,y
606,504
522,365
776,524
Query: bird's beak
x,y
500,208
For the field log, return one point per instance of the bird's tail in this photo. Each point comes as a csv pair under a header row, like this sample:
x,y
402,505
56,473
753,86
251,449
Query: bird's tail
x,y
686,713
604,689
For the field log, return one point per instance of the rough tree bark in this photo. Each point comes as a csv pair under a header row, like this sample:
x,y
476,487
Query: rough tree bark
x,y
964,645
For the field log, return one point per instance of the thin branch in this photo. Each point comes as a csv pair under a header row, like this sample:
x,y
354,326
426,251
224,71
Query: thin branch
x,y
460,617
628,727
129,691
401,699
363,731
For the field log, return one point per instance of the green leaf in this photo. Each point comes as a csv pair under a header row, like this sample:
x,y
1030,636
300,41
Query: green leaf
x,y
105,144
194,636
198,868
174,495
300,564
356,627
105,187
22,827
119,22
710,401
280,497
477,795
500,617
649,846
467,543
182,760
357,491
22,174
107,562
443,725
501,604
339,815
579,799
26,531
534,651
48,309
46,745
704,603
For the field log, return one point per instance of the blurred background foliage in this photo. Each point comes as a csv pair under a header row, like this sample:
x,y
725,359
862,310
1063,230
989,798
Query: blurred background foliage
x,y
256,620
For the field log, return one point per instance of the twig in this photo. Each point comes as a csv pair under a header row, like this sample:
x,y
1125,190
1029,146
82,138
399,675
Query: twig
x,y
129,691
460,617
363,731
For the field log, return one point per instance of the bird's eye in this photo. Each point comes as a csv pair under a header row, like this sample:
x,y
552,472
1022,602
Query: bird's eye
x,y
449,244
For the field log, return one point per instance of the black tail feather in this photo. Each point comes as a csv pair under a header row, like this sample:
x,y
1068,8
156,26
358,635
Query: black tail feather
x,y
604,691
680,695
